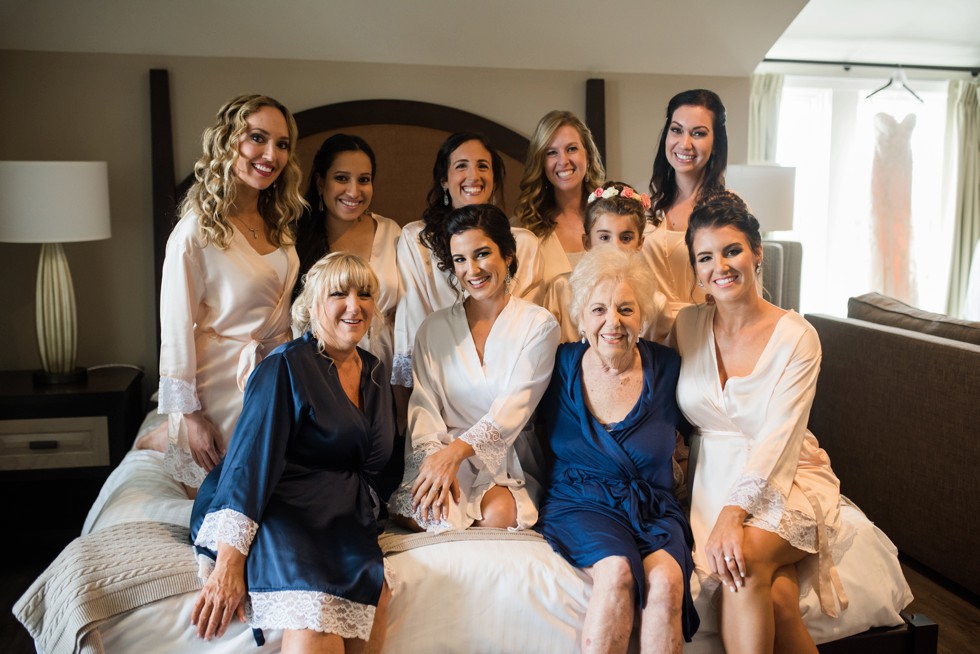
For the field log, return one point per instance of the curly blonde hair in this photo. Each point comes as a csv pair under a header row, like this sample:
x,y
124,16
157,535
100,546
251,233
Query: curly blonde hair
x,y
536,203
212,195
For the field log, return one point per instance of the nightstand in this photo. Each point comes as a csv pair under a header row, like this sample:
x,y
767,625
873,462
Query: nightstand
x,y
59,443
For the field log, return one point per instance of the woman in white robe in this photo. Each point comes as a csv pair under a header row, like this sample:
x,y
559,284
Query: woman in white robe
x,y
689,166
765,503
229,269
563,166
339,219
466,171
480,368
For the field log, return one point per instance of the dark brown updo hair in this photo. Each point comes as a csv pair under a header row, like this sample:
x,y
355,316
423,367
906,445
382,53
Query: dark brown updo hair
x,y
486,217
723,210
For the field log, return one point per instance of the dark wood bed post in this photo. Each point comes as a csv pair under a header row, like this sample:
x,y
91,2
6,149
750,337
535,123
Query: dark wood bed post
x,y
595,113
164,177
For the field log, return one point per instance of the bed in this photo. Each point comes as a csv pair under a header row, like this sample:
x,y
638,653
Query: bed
x,y
480,591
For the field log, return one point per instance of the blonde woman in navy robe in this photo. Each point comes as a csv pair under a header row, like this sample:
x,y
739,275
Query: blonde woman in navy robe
x,y
289,515
479,366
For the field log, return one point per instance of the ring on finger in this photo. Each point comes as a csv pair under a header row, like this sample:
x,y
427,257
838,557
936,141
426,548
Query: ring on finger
x,y
728,559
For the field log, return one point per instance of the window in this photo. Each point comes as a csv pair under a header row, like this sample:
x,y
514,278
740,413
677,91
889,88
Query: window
x,y
827,131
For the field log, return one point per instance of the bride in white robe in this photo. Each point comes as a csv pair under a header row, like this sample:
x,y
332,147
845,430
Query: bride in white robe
x,y
766,510
480,367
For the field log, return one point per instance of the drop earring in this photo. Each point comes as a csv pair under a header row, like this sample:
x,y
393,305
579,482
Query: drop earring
x,y
321,207
445,197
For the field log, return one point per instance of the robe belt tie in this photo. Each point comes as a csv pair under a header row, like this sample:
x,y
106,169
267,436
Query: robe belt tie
x,y
247,360
828,579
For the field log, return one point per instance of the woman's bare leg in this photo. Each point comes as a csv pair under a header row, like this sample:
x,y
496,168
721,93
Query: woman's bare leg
x,y
747,616
307,641
660,621
609,617
379,629
791,636
499,509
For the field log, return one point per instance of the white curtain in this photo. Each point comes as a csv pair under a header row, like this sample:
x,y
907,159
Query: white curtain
x,y
764,99
963,142
891,208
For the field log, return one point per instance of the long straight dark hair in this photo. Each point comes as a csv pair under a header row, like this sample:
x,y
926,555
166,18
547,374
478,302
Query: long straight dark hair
x,y
663,183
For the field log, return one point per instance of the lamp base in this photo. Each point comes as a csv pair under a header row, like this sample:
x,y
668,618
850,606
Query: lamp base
x,y
44,378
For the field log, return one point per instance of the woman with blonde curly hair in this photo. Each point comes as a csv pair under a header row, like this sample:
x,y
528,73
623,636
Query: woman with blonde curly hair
x,y
562,167
229,269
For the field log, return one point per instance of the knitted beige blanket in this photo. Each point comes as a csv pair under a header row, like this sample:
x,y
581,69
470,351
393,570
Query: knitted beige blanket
x,y
102,575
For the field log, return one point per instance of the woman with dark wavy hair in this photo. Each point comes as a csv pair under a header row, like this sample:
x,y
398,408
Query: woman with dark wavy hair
x,y
467,171
481,365
689,166
229,269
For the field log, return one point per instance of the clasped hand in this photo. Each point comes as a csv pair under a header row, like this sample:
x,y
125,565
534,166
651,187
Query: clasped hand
x,y
204,440
437,484
724,548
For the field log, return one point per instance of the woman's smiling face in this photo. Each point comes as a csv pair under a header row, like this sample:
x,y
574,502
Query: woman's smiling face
x,y
470,176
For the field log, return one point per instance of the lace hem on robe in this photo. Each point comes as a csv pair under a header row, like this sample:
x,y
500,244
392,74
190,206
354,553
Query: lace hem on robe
x,y
401,370
177,396
227,526
485,439
298,609
308,609
766,507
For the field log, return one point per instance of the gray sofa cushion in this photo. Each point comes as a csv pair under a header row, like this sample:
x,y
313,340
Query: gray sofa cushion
x,y
883,310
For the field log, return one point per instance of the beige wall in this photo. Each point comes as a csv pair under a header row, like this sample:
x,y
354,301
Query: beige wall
x,y
96,107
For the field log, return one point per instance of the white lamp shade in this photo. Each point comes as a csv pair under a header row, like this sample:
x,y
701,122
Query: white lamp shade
x,y
768,190
54,201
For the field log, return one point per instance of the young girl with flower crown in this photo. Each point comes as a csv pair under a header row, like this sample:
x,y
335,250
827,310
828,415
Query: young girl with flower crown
x,y
615,217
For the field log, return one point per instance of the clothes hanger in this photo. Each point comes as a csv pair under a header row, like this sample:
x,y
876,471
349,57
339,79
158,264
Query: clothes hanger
x,y
897,77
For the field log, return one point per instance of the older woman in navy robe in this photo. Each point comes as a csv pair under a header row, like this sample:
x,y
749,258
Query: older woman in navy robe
x,y
296,496
610,417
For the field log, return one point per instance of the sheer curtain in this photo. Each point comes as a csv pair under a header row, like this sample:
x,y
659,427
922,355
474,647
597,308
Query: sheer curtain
x,y
764,99
826,130
963,144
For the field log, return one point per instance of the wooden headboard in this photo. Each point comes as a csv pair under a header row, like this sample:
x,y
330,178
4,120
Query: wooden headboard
x,y
405,136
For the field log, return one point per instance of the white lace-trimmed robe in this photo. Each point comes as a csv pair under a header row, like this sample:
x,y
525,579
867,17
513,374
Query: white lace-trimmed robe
x,y
426,289
220,312
488,405
756,451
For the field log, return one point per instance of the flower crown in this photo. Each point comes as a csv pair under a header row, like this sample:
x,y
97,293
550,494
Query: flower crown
x,y
627,193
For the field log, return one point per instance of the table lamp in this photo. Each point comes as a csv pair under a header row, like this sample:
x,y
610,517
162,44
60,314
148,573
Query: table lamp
x,y
54,202
769,191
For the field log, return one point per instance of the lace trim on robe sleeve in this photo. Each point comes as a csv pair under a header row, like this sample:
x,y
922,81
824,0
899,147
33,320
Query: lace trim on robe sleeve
x,y
401,370
400,502
766,507
227,526
177,396
180,465
485,438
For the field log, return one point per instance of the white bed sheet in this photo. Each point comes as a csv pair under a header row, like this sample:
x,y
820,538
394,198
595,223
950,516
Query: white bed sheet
x,y
473,596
